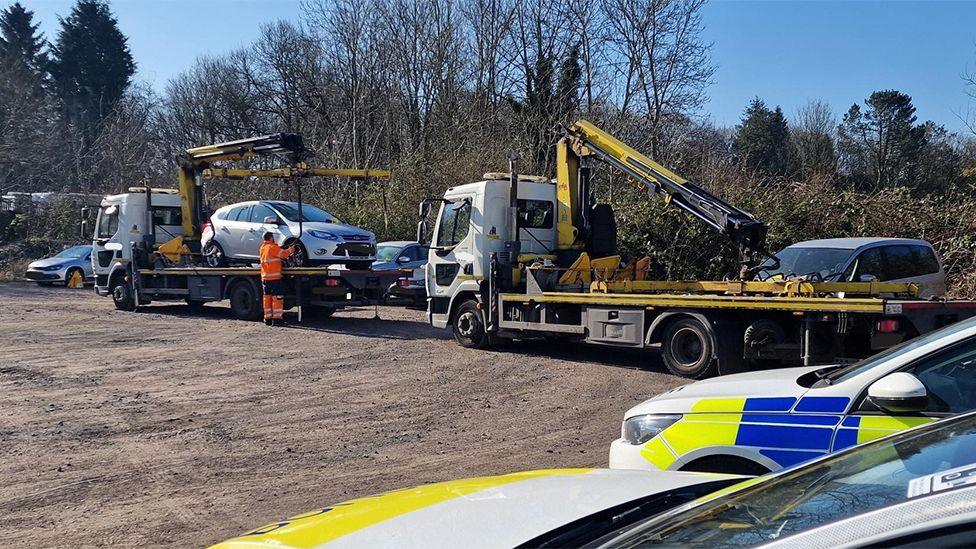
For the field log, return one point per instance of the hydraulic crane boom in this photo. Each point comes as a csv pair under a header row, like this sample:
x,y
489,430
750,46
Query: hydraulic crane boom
x,y
584,140
193,161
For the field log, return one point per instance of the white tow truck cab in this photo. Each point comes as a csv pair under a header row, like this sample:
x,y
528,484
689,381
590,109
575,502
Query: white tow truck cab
x,y
472,225
127,219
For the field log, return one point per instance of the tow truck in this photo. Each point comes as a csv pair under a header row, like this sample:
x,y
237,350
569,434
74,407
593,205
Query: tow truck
x,y
517,256
146,244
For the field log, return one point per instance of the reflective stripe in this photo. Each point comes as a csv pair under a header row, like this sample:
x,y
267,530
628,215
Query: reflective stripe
x,y
271,260
271,276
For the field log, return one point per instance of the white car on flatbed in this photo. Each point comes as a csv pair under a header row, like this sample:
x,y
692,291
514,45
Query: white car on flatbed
x,y
762,421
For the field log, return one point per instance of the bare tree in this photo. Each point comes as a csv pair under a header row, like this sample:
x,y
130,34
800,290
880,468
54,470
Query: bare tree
x,y
659,60
813,134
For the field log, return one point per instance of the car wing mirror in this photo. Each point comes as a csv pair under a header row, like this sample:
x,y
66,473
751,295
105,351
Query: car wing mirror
x,y
403,259
899,392
272,220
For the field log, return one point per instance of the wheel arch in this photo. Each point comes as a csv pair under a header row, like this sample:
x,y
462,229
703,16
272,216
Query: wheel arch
x,y
468,289
743,453
661,322
234,280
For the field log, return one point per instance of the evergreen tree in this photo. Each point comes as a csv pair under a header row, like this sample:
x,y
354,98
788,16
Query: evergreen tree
x,y
881,145
92,64
20,43
762,140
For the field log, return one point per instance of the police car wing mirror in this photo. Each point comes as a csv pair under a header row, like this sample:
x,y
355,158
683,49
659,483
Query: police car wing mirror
x,y
899,392
403,259
272,220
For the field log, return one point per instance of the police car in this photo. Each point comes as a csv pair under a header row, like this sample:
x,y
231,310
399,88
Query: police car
x,y
763,421
546,508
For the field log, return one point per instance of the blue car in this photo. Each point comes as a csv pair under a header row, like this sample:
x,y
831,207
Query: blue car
x,y
61,267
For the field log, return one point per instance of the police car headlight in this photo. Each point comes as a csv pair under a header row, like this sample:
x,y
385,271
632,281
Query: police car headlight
x,y
640,429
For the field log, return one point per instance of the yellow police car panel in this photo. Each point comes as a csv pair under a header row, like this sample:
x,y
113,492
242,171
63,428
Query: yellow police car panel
x,y
763,421
497,511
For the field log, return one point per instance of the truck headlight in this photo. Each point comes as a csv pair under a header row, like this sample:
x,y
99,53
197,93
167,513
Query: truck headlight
x,y
324,235
640,429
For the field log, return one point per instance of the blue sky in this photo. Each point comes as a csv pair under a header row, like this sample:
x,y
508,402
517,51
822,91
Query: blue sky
x,y
785,52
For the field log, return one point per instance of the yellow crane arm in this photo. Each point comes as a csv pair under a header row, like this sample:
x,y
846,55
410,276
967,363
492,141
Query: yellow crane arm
x,y
584,140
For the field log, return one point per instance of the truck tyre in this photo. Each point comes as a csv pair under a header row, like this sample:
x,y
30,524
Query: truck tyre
x,y
687,349
123,297
245,301
469,330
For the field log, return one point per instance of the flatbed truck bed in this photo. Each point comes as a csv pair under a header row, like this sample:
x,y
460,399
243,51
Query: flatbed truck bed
x,y
317,291
730,326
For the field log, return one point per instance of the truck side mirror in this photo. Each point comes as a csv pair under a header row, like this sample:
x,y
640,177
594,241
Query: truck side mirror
x,y
422,230
899,392
424,209
866,278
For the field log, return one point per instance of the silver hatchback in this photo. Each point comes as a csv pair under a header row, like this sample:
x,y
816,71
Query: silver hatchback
x,y
61,267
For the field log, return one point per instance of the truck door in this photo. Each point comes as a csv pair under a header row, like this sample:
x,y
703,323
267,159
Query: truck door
x,y
451,247
536,224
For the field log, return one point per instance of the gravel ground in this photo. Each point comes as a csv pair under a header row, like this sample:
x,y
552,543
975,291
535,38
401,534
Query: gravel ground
x,y
167,427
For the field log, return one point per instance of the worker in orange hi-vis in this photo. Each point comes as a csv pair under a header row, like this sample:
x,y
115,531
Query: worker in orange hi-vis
x,y
271,255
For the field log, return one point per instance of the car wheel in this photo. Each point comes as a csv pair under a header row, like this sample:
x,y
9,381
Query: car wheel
x,y
687,349
300,256
245,301
123,297
213,254
469,330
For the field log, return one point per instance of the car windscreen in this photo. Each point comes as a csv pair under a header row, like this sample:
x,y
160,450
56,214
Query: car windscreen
x,y
310,214
847,372
385,254
797,261
887,472
75,252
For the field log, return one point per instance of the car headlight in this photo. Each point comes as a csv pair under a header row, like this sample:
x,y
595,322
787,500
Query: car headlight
x,y
640,429
324,235
51,268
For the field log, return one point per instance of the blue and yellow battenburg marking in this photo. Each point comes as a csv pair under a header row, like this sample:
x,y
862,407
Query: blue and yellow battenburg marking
x,y
785,430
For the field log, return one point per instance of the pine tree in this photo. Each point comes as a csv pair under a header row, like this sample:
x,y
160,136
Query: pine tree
x,y
881,144
20,42
762,140
92,64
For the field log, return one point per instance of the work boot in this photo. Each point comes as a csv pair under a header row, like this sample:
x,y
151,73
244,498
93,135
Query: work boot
x,y
269,322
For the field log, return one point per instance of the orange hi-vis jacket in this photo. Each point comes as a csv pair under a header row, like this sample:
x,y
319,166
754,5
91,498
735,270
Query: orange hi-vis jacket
x,y
271,255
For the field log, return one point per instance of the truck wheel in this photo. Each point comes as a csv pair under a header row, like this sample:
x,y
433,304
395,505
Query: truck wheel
x,y
687,349
122,297
468,329
245,301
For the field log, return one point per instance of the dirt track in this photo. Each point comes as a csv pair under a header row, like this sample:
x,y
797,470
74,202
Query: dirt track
x,y
170,428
